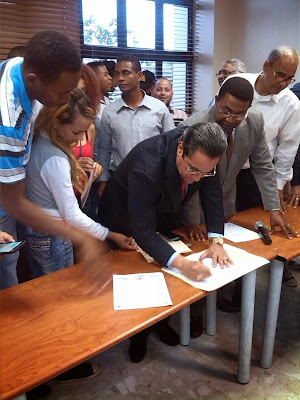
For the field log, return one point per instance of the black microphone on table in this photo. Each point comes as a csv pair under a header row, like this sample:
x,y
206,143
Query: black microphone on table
x,y
263,230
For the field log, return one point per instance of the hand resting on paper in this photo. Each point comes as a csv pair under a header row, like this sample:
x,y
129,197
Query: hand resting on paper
x,y
218,255
194,270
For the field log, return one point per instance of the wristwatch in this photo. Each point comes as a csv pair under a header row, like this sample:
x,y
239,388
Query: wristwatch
x,y
217,240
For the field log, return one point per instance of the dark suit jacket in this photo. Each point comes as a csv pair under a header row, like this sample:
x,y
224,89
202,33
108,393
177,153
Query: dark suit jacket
x,y
144,195
249,143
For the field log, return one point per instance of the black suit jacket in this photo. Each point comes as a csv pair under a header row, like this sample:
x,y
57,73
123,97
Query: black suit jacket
x,y
144,195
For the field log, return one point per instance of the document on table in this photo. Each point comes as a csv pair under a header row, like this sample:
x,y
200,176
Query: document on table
x,y
177,245
243,262
237,233
140,291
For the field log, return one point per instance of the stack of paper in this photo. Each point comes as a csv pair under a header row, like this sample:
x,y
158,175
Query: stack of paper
x,y
140,291
243,262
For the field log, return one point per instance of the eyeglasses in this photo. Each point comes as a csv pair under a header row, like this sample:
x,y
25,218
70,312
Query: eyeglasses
x,y
237,117
195,171
282,77
225,72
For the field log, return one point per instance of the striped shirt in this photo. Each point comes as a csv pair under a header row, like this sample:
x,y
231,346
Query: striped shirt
x,y
16,116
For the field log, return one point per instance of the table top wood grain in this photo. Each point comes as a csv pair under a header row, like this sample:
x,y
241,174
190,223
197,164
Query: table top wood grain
x,y
52,323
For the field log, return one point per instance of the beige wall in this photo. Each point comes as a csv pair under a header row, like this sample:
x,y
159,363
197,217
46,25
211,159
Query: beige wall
x,y
249,30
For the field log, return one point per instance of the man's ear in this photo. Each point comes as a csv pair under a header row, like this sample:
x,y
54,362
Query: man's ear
x,y
217,99
266,65
32,79
180,149
141,76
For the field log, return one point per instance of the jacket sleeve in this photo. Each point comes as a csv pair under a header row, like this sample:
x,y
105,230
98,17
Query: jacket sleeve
x,y
212,204
143,200
264,172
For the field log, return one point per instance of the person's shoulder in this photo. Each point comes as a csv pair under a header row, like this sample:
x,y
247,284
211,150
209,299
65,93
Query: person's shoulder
x,y
287,96
155,103
200,116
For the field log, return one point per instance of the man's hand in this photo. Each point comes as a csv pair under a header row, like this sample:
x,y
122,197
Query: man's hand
x,y
294,198
218,255
276,219
197,232
123,241
282,202
101,188
194,270
6,237
97,171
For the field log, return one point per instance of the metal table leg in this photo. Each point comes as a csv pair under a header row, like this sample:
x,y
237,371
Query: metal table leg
x,y
211,306
185,326
274,290
246,327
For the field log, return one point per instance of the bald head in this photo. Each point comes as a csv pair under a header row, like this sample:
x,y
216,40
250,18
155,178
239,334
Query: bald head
x,y
278,71
163,90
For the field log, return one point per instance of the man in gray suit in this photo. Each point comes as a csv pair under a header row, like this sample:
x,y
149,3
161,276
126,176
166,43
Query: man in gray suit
x,y
246,139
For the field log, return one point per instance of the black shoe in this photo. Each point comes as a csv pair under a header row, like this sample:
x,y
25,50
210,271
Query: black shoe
x,y
287,278
228,306
38,392
167,335
81,372
196,327
137,349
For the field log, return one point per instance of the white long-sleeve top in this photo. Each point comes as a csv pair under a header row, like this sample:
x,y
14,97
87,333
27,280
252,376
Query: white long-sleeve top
x,y
48,184
281,113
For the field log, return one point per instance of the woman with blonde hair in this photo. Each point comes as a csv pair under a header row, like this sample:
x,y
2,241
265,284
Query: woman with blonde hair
x,y
52,172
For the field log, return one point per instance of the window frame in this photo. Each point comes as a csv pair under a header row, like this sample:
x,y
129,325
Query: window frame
x,y
158,54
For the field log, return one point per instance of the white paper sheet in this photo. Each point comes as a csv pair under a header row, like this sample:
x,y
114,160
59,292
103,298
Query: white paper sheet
x,y
244,262
237,233
177,245
140,291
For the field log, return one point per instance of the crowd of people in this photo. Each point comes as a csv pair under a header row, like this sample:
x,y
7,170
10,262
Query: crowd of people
x,y
77,169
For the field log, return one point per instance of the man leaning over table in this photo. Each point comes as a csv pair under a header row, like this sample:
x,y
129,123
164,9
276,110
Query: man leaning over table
x,y
146,195
244,129
281,110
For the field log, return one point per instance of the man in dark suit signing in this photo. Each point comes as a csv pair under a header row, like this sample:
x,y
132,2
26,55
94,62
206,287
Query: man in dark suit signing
x,y
148,190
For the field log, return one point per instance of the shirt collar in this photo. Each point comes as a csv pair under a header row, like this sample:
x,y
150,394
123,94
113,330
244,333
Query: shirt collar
x,y
146,102
268,97
20,91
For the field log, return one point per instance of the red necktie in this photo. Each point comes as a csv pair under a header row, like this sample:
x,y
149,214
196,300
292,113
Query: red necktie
x,y
183,189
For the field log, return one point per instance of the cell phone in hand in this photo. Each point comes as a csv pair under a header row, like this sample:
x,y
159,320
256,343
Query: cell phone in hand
x,y
11,247
171,236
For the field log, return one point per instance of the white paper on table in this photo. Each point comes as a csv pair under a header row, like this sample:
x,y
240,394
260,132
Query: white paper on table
x,y
177,245
243,262
140,291
86,192
237,233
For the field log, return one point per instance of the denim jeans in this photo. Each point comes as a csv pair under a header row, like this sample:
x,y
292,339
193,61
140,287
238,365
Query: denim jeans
x,y
46,253
8,264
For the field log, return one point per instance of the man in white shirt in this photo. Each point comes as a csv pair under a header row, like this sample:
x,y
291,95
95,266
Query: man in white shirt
x,y
281,111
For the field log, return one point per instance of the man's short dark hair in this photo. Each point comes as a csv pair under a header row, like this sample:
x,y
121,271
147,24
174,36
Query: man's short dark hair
x,y
134,61
238,87
95,65
110,65
17,51
207,137
49,53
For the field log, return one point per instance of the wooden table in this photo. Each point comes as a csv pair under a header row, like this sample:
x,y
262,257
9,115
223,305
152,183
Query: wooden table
x,y
278,252
50,324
